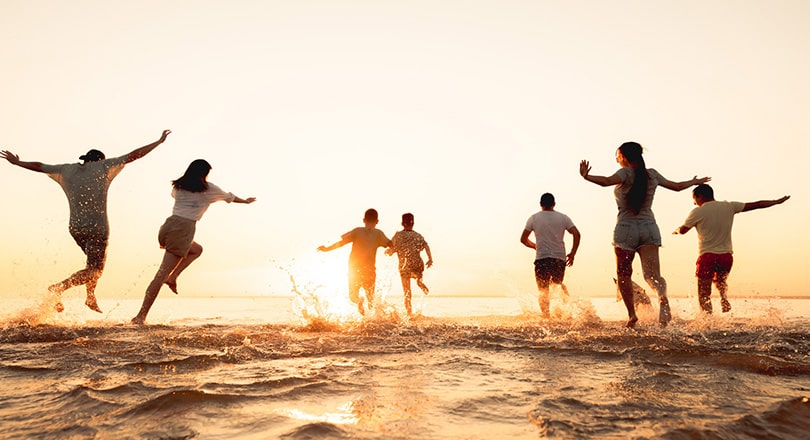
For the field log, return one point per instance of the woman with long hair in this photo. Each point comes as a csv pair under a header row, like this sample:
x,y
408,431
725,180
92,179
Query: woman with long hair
x,y
636,230
192,195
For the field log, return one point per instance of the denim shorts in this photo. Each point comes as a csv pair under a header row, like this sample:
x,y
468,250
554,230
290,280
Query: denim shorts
x,y
632,234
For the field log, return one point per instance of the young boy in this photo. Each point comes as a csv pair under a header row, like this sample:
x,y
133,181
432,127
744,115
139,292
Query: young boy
x,y
713,221
549,227
408,244
362,259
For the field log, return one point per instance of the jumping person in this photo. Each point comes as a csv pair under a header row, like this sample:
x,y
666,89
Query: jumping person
x,y
193,194
86,185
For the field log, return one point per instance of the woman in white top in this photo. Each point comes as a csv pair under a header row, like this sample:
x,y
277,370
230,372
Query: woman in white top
x,y
192,195
636,230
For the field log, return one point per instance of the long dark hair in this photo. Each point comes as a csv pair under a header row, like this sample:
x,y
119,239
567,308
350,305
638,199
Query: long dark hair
x,y
194,178
638,191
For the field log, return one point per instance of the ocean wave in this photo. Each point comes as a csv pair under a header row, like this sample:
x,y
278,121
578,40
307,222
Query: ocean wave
x,y
787,420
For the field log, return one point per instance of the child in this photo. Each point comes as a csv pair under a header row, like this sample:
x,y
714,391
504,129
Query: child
x,y
362,259
713,221
408,244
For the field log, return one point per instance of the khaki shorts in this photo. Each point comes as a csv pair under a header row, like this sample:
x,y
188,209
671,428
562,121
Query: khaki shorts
x,y
176,235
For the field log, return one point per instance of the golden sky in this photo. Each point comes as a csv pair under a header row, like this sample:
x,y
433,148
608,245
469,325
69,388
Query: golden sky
x,y
462,112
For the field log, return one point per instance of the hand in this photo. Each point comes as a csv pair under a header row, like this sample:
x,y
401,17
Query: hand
x,y
164,135
585,168
569,260
782,200
9,156
389,252
322,249
250,200
701,180
429,263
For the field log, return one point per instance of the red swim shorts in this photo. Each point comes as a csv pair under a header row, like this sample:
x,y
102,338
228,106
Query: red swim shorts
x,y
711,265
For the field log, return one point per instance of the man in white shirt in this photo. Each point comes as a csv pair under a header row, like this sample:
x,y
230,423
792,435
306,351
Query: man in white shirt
x,y
549,227
713,220
86,184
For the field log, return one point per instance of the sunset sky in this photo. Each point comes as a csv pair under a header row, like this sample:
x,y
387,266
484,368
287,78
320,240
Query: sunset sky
x,y
461,112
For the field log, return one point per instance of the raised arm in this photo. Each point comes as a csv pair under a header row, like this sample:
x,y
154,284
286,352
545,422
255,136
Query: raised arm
x,y
15,160
680,186
585,172
750,206
146,149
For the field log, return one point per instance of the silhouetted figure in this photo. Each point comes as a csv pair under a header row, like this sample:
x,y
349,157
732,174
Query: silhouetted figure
x,y
713,221
636,230
193,194
362,258
549,227
408,245
86,184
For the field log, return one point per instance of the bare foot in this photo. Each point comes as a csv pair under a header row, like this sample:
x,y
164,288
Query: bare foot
x,y
92,304
172,285
138,321
632,322
725,305
664,314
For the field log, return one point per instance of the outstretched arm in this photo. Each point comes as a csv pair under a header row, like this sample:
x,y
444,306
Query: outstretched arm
x,y
680,186
248,200
569,259
333,246
750,206
585,172
15,160
146,149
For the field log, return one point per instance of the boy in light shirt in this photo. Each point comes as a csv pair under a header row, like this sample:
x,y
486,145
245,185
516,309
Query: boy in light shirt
x,y
713,220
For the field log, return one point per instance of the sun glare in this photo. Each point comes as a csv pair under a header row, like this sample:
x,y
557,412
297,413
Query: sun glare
x,y
319,282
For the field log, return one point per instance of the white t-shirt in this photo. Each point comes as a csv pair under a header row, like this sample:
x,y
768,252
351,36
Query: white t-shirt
x,y
713,222
621,190
86,186
192,205
549,228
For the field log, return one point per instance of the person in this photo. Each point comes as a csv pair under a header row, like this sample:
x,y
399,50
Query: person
x,y
193,194
549,227
408,245
713,221
362,259
636,230
86,185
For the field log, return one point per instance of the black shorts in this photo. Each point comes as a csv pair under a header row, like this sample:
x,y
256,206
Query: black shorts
x,y
549,270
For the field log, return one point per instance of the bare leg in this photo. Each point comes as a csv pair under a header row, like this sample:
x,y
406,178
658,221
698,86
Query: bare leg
x,y
90,302
565,292
721,281
704,294
84,276
545,303
170,261
422,285
624,273
194,252
651,268
406,289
